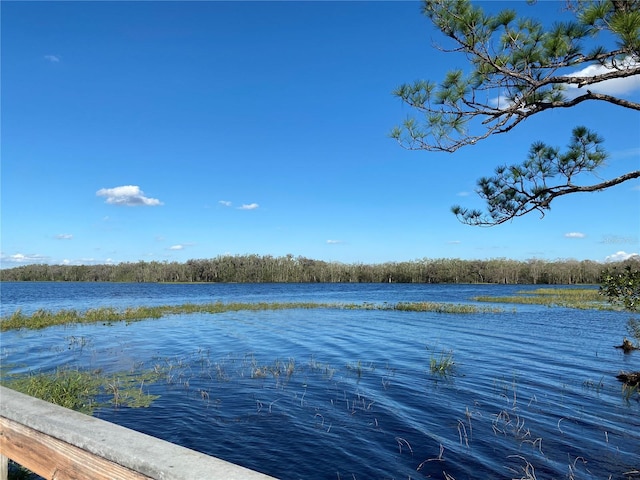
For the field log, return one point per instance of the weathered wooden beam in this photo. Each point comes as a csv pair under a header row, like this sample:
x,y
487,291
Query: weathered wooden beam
x,y
52,458
61,444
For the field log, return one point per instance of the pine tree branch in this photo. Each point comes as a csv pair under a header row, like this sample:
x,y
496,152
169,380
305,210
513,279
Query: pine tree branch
x,y
540,201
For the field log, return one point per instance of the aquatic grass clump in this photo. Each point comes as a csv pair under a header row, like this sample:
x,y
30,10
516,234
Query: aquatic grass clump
x,y
44,318
106,315
629,391
444,365
68,388
444,308
128,389
581,298
84,390
327,370
278,369
589,294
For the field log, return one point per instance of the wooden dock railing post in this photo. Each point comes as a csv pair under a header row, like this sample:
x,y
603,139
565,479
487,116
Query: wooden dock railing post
x,y
61,444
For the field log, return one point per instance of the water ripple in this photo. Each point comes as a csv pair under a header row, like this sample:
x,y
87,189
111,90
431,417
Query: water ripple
x,y
530,388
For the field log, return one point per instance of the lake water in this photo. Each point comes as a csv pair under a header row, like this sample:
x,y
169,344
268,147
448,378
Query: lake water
x,y
533,387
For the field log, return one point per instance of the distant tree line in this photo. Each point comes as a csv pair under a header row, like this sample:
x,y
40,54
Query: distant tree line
x,y
266,269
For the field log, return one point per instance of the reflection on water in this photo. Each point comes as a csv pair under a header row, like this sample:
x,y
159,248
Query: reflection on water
x,y
349,394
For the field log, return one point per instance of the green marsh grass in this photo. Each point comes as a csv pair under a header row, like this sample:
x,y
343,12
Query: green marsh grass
x,y
84,390
443,365
68,388
108,315
581,298
444,308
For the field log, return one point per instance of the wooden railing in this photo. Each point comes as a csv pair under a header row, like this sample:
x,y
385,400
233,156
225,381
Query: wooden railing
x,y
61,444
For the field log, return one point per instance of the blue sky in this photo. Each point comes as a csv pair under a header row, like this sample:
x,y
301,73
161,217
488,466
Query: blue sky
x,y
175,130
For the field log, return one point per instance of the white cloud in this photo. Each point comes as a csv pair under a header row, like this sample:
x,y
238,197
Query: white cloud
x,y
616,86
180,246
250,206
128,195
619,256
334,242
463,194
64,236
500,101
574,235
18,259
52,58
245,206
454,242
21,259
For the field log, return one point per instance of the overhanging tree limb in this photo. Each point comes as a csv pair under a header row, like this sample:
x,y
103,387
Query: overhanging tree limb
x,y
520,68
540,202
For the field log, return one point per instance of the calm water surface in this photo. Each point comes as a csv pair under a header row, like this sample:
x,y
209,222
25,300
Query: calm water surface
x,y
533,387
